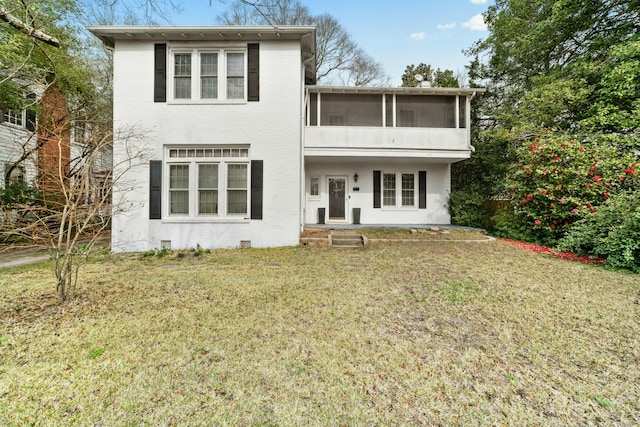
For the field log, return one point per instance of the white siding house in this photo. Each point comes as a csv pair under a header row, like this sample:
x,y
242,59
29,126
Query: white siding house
x,y
243,149
16,135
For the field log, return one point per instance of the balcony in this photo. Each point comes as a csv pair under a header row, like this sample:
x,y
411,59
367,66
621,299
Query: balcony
x,y
392,122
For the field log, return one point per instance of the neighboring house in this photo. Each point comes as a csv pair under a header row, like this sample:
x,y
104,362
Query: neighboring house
x,y
16,134
246,150
38,151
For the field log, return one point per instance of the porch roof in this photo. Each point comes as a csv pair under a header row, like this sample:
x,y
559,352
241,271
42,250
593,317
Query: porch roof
x,y
396,90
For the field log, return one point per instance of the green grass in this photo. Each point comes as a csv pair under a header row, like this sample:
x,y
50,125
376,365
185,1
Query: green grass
x,y
394,334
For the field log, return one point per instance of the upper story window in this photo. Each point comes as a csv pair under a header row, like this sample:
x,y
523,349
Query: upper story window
x,y
13,117
206,75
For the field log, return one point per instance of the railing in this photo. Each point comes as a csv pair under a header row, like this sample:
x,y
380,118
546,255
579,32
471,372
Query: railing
x,y
383,138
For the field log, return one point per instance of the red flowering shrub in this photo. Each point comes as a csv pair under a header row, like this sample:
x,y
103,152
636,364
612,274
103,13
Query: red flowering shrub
x,y
557,180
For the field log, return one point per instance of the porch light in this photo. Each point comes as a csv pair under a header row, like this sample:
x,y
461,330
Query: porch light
x,y
355,177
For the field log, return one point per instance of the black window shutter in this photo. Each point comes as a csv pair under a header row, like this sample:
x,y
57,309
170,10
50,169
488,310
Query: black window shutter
x,y
256,189
160,73
376,189
253,60
31,121
155,189
422,189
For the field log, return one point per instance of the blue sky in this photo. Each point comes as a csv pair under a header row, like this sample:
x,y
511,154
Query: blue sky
x,y
395,33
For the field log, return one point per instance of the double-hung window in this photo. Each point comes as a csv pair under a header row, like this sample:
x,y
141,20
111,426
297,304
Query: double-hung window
x,y
208,182
179,189
209,75
399,190
13,117
182,75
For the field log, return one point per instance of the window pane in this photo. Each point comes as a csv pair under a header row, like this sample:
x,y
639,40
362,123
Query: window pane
x,y
209,64
209,87
178,189
183,64
237,201
183,87
178,177
208,189
315,186
408,189
237,189
237,177
389,189
235,87
182,75
235,75
209,75
235,64
208,202
178,202
207,176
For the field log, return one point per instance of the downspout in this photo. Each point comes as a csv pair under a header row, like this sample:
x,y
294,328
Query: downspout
x,y
302,172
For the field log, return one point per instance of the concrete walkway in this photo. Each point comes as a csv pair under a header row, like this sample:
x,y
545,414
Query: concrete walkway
x,y
23,257
334,226
16,258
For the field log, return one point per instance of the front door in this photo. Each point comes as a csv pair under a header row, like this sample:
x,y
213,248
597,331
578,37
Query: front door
x,y
337,199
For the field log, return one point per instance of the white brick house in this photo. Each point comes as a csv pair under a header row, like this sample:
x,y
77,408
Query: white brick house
x,y
245,148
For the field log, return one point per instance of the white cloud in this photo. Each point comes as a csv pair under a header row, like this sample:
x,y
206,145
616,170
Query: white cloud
x,y
449,26
478,1
418,36
476,23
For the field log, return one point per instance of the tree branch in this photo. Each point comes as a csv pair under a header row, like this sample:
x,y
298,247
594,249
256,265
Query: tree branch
x,y
7,17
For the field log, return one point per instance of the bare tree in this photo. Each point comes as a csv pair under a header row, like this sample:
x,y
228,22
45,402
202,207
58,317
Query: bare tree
x,y
73,207
338,57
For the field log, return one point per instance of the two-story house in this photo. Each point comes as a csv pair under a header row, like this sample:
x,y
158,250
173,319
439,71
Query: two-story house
x,y
244,149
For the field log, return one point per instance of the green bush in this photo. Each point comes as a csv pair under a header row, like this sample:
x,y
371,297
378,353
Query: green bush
x,y
471,208
612,232
18,193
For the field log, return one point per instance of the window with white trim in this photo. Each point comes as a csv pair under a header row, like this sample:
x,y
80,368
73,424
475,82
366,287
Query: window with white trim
x,y
209,75
207,182
314,188
399,190
13,117
17,174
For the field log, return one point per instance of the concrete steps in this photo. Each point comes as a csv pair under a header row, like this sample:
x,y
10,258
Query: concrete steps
x,y
346,239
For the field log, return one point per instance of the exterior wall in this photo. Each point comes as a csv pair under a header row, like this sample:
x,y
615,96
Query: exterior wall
x,y
54,138
438,189
270,127
12,139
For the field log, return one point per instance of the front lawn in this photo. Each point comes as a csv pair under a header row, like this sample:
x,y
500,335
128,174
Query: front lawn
x,y
416,333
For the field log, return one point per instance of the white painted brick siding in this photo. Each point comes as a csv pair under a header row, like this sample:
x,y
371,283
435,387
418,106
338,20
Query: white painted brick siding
x,y
271,127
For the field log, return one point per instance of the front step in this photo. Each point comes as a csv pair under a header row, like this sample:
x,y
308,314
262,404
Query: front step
x,y
346,240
